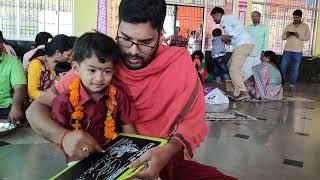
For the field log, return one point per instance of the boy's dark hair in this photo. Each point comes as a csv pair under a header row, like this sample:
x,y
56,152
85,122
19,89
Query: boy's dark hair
x,y
96,44
297,12
59,43
217,10
198,54
257,13
216,32
143,11
62,67
42,38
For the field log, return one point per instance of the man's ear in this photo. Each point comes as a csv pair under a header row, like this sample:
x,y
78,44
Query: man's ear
x,y
75,66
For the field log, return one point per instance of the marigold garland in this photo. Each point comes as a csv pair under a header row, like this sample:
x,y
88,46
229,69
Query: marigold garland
x,y
77,115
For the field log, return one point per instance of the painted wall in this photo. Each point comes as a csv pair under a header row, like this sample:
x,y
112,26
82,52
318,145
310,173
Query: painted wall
x,y
84,16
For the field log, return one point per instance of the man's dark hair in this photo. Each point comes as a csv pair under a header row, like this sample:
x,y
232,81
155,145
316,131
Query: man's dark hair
x,y
216,32
143,11
42,38
217,10
297,12
96,44
59,43
257,13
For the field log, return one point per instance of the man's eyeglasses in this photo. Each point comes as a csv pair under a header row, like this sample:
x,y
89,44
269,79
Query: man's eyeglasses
x,y
127,43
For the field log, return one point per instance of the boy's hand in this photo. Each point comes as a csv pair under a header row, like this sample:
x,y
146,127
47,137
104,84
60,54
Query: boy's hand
x,y
79,144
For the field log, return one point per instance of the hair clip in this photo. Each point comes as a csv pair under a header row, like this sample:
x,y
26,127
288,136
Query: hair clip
x,y
49,40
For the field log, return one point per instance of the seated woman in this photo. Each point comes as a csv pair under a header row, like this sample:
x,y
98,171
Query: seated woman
x,y
39,43
41,70
266,82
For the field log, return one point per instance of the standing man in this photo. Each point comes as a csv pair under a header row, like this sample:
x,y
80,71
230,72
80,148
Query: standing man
x,y
260,34
13,88
294,34
242,42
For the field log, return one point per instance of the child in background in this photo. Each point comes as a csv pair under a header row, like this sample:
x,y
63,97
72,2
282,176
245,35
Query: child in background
x,y
197,58
62,68
218,53
95,103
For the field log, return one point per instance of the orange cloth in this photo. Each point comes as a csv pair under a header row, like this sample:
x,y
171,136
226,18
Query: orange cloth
x,y
161,90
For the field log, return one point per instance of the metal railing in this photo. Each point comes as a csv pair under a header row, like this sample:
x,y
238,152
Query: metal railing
x,y
23,19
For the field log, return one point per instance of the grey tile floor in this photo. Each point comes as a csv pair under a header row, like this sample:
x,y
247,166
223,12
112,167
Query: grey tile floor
x,y
283,144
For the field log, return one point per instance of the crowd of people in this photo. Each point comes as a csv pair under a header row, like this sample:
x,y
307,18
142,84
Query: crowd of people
x,y
252,66
85,90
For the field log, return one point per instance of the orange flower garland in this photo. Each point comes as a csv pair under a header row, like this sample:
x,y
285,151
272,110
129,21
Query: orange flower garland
x,y
77,115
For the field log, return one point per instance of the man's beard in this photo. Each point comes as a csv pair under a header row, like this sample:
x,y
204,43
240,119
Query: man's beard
x,y
144,62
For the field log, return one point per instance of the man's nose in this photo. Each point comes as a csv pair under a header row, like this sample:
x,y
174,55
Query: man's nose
x,y
133,50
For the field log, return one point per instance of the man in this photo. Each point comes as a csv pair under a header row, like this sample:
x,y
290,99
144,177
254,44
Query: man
x,y
260,34
12,87
165,89
295,34
242,42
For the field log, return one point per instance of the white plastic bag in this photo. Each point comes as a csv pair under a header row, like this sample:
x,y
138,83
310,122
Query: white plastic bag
x,y
215,96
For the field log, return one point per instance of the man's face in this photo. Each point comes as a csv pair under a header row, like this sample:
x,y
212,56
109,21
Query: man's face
x,y
217,18
296,19
255,17
138,55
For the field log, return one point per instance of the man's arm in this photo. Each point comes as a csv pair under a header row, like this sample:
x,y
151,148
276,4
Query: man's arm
x,y
156,158
306,36
16,114
285,33
72,142
39,117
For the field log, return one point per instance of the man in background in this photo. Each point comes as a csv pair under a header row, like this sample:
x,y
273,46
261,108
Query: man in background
x,y
294,34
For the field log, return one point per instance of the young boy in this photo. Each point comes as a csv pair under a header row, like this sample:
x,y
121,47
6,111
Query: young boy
x,y
218,53
95,102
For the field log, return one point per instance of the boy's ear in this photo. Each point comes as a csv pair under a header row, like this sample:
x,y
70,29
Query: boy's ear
x,y
75,66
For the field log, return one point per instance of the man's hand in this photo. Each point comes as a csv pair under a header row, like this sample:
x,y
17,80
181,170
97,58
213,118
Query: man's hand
x,y
155,159
79,144
226,39
16,115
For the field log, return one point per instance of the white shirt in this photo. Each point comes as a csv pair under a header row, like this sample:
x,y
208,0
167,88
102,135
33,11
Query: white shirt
x,y
233,27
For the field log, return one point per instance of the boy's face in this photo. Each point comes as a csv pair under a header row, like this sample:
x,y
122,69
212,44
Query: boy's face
x,y
95,76
137,56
